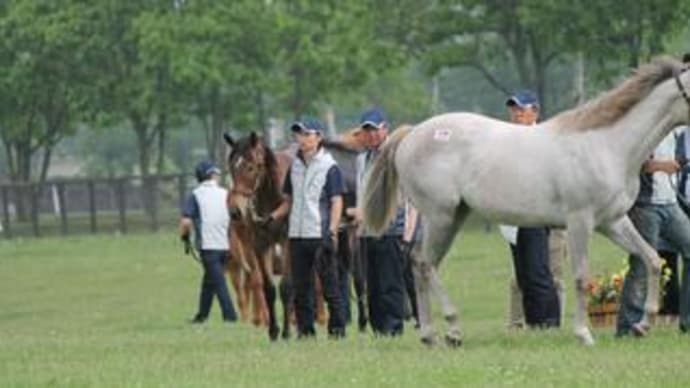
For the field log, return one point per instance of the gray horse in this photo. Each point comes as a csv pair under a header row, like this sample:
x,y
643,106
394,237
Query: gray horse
x,y
579,170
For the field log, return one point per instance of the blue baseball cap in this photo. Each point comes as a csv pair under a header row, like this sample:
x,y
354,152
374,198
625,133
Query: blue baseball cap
x,y
523,99
205,169
307,125
372,119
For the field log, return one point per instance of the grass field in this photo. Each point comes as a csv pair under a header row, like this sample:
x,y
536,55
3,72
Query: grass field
x,y
111,310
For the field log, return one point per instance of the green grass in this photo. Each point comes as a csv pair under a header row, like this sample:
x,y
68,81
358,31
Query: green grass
x,y
110,311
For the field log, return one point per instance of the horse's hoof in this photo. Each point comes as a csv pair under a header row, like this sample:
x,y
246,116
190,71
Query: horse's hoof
x,y
640,329
429,341
585,337
286,335
453,341
273,333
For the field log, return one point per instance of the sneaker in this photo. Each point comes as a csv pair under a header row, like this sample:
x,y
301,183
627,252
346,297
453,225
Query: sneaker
x,y
197,320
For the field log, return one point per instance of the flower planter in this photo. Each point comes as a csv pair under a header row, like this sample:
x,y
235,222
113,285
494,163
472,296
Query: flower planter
x,y
603,315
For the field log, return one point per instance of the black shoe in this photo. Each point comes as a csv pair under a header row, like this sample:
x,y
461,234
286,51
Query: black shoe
x,y
306,334
197,319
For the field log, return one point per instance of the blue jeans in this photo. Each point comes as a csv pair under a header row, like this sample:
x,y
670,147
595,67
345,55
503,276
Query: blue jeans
x,y
653,222
213,283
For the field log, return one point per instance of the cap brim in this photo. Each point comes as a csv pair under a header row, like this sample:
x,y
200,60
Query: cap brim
x,y
512,101
515,102
369,125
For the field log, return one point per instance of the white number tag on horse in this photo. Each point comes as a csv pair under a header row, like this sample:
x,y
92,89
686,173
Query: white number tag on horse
x,y
442,135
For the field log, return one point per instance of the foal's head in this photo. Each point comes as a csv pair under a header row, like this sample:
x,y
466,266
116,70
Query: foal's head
x,y
247,162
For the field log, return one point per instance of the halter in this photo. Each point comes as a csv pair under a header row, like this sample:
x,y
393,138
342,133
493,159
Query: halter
x,y
249,191
681,88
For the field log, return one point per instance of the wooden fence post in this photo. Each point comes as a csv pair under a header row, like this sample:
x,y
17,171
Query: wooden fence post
x,y
64,228
153,185
181,189
34,190
92,206
6,221
121,203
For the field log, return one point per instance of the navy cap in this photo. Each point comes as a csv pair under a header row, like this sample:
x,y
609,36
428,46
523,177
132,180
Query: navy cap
x,y
307,125
372,119
204,170
523,99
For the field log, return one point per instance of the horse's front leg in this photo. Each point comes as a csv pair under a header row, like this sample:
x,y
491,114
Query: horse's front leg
x,y
579,231
624,233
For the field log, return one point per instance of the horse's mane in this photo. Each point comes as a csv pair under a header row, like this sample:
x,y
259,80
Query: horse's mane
x,y
614,104
268,192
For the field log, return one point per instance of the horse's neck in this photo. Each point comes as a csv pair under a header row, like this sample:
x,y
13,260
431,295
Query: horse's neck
x,y
267,195
635,136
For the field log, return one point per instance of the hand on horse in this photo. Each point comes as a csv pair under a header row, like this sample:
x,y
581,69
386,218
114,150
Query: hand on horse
x,y
267,222
329,243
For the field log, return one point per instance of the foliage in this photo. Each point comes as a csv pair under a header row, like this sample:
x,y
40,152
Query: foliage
x,y
607,289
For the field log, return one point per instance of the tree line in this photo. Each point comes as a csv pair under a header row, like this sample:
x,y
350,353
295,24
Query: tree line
x,y
152,66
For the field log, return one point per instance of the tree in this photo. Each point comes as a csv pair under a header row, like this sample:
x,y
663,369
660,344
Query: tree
x,y
43,80
532,36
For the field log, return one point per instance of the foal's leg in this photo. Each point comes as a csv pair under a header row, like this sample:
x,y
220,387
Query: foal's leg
x,y
270,292
624,233
440,230
234,270
579,231
454,335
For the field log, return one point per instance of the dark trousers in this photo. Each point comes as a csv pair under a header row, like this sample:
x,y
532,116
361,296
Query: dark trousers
x,y
671,292
408,278
531,261
344,266
385,285
213,283
306,256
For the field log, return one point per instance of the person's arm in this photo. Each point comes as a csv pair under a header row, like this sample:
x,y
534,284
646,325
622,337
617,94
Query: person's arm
x,y
190,210
284,208
356,211
335,186
185,227
669,166
336,213
411,216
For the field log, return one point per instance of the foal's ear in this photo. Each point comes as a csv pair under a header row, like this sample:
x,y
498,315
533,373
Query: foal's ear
x,y
228,139
253,139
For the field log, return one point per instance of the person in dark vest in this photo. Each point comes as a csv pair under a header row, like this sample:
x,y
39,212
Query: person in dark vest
x,y
313,198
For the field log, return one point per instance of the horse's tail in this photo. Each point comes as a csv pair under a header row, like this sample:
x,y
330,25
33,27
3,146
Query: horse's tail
x,y
381,185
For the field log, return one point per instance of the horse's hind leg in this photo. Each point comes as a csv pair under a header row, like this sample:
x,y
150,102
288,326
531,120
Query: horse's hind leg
x,y
624,233
450,313
439,232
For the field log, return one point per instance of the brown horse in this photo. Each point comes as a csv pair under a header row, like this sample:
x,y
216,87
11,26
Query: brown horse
x,y
258,173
